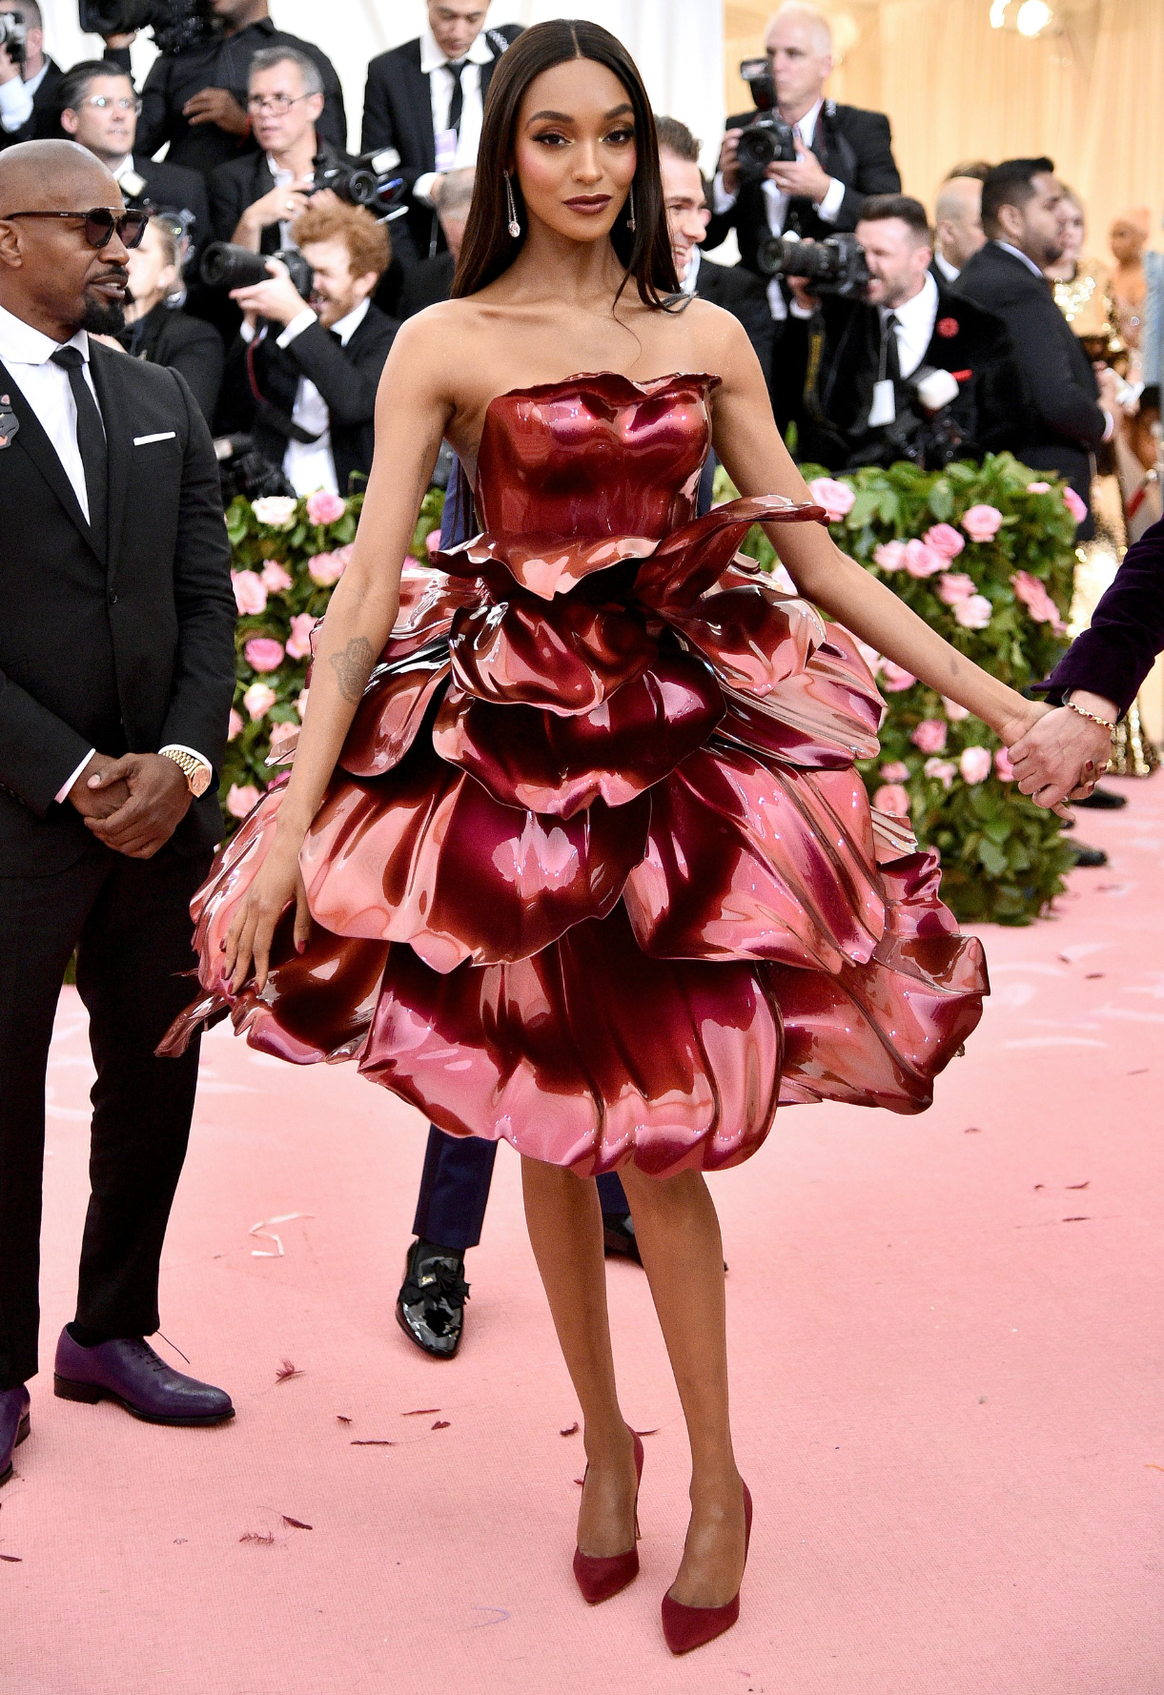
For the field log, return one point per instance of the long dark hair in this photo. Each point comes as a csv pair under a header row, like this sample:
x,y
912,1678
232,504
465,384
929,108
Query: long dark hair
x,y
488,248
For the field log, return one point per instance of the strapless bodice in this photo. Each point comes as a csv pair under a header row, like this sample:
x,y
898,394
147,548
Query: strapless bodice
x,y
596,455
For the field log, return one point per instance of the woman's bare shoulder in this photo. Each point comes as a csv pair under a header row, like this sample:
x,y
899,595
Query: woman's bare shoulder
x,y
717,333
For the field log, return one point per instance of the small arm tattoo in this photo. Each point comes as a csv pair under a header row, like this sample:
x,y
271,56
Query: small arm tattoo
x,y
353,667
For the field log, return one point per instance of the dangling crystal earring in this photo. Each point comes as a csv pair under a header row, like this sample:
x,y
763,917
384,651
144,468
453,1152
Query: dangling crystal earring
x,y
630,208
511,205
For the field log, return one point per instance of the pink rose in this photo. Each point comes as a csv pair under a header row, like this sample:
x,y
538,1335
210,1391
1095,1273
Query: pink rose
x,y
920,560
1037,601
975,764
258,700
241,800
299,641
954,712
1038,488
432,543
836,498
235,725
930,735
941,770
975,613
301,702
1074,505
250,593
324,508
276,577
264,653
891,797
894,678
328,568
954,586
1003,766
944,539
982,523
895,772
281,732
890,556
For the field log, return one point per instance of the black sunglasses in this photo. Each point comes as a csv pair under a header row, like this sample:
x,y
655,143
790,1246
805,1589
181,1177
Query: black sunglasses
x,y
100,224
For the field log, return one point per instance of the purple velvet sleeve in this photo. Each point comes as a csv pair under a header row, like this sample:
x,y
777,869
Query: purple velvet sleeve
x,y
1115,654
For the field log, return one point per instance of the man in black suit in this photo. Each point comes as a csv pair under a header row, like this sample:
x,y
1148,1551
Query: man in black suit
x,y
28,91
843,155
887,388
1070,411
99,108
431,281
116,677
312,368
425,99
195,101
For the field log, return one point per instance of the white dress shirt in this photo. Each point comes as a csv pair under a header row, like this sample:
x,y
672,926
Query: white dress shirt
x,y
434,65
16,98
776,202
690,277
950,272
27,353
308,465
915,325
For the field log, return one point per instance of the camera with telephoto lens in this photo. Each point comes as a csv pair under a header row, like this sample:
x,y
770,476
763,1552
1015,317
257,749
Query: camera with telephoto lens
x,y
226,266
373,181
833,266
767,139
176,24
246,471
14,35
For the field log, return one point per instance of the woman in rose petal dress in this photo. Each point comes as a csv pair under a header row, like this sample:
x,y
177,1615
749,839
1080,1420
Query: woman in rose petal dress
x,y
573,851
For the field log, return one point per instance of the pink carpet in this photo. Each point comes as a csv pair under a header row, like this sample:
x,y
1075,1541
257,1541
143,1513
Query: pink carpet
x,y
947,1368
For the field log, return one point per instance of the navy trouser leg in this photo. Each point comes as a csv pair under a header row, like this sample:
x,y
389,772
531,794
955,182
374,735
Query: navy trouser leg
x,y
454,1189
611,1194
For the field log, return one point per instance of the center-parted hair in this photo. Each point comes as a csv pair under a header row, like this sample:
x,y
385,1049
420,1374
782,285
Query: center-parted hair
x,y
489,249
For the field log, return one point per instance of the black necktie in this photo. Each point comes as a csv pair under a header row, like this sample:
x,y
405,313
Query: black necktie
x,y
892,352
457,103
91,442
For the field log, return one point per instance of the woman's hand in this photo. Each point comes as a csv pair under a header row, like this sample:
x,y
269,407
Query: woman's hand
x,y
1064,756
248,941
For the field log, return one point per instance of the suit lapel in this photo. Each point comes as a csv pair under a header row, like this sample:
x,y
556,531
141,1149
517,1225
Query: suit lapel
x,y
32,439
115,414
422,105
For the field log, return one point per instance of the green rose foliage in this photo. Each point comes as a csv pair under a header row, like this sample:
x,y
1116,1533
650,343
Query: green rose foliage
x,y
265,535
1003,858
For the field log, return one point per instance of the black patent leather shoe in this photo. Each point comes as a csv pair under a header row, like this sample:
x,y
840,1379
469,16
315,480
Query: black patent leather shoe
x,y
430,1308
618,1237
1103,800
14,1426
1084,855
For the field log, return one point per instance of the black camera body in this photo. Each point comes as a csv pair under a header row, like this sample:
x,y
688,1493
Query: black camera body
x,y
373,181
767,140
833,266
225,266
14,36
176,24
244,470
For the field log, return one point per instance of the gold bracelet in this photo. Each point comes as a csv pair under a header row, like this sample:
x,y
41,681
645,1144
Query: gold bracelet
x,y
1091,717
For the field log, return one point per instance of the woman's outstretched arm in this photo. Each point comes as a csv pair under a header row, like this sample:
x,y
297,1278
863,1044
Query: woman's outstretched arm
x,y
413,407
756,459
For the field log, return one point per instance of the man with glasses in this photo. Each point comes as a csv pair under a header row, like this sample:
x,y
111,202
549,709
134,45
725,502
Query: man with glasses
x,y
196,100
99,108
116,678
28,90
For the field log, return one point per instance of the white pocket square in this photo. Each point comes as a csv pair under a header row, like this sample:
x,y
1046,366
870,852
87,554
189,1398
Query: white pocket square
x,y
162,435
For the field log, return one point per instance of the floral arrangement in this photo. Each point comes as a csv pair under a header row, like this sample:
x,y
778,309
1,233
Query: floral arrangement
x,y
985,554
288,555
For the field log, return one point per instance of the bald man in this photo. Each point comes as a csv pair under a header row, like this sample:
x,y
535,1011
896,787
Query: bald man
x,y
843,154
116,680
958,225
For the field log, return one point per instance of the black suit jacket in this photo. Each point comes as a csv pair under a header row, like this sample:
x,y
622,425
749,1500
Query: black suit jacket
x,y
1065,423
236,185
398,113
168,336
988,412
346,377
1114,655
426,284
45,121
123,649
852,145
740,292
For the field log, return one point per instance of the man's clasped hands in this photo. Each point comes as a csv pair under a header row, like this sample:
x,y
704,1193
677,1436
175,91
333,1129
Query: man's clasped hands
x,y
132,804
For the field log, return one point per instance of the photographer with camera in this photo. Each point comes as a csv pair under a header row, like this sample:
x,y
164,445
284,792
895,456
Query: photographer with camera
x,y
899,367
799,163
195,96
306,371
29,79
99,109
156,329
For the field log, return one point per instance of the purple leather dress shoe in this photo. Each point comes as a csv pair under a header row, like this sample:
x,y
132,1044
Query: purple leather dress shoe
x,y
14,1426
130,1373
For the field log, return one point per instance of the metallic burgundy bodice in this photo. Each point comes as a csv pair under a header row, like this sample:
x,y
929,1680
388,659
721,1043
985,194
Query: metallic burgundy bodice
x,y
600,455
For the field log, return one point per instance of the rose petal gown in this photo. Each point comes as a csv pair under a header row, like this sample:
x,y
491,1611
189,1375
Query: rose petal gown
x,y
595,872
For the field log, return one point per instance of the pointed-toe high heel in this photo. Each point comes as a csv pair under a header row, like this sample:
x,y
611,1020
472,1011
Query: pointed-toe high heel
x,y
599,1577
690,1627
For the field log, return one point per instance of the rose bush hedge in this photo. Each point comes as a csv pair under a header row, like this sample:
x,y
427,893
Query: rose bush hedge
x,y
985,554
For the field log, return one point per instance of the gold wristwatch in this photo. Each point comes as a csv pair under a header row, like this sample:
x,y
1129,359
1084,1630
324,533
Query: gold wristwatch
x,y
195,771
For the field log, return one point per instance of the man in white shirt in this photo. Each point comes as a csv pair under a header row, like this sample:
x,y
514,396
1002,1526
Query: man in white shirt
x,y
425,99
28,107
958,232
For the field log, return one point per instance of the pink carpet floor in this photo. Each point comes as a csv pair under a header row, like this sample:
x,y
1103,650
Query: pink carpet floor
x,y
946,1362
